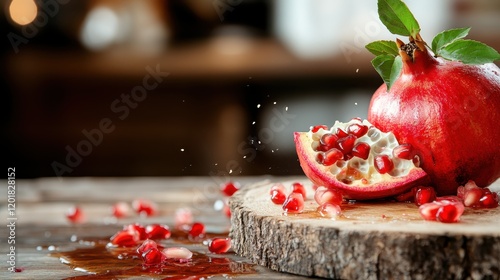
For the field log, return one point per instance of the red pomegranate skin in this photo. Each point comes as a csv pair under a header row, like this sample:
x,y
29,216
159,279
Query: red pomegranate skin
x,y
450,113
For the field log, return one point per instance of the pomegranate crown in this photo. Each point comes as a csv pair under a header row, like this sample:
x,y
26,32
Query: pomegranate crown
x,y
449,44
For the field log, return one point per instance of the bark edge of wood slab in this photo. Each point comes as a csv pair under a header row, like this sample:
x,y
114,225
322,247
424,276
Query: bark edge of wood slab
x,y
365,245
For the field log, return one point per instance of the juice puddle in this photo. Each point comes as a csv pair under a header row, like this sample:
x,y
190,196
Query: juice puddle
x,y
100,262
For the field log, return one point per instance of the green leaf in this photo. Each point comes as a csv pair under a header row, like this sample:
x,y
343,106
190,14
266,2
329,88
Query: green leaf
x,y
383,47
389,68
469,52
396,16
446,37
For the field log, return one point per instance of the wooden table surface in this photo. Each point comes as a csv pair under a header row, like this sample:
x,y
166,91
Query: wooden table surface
x,y
41,205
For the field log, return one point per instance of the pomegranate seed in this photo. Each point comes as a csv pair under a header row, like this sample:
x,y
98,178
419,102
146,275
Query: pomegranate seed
x,y
346,144
470,185
299,188
125,238
229,188
450,213
197,230
316,128
383,164
137,229
153,257
403,151
428,211
489,200
75,215
472,197
445,211
180,253
278,197
328,141
156,231
278,187
294,203
341,133
146,246
361,150
357,130
183,218
331,196
219,245
329,210
330,157
144,207
121,209
424,195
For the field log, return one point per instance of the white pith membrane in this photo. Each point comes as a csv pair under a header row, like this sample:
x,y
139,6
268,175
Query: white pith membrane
x,y
380,143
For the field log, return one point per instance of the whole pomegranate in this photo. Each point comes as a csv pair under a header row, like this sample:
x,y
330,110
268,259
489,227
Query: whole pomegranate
x,y
443,99
448,111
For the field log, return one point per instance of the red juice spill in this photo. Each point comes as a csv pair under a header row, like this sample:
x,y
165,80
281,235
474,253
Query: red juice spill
x,y
101,262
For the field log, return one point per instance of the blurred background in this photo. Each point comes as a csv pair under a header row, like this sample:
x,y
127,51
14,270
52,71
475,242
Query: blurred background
x,y
193,87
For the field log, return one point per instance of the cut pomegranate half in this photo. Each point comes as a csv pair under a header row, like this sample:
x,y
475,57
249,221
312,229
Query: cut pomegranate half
x,y
357,175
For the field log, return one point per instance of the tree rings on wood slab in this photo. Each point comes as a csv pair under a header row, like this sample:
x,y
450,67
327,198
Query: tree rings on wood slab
x,y
370,240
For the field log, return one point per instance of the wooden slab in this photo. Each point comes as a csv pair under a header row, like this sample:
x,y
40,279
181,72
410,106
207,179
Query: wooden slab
x,y
371,240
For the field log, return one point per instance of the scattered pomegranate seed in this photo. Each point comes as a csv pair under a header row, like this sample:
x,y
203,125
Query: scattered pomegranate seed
x,y
316,128
125,238
383,164
489,200
219,245
197,230
229,188
424,195
329,210
278,197
331,196
294,203
445,211
144,207
403,151
357,130
299,188
147,245
361,150
183,218
153,257
472,196
75,215
429,210
179,253
156,231
121,209
137,229
449,213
